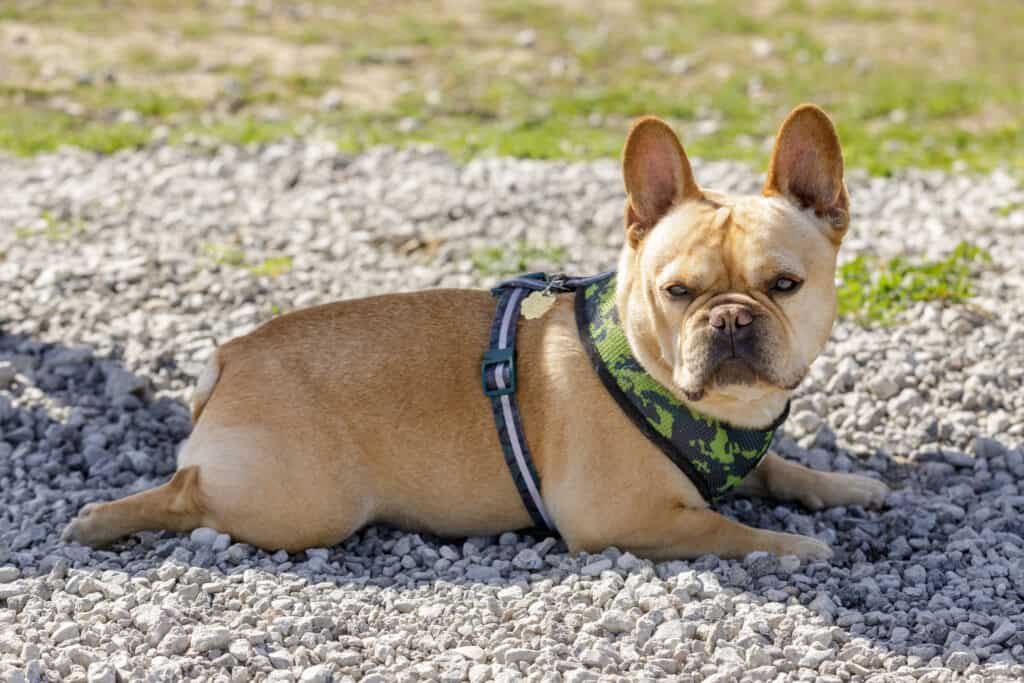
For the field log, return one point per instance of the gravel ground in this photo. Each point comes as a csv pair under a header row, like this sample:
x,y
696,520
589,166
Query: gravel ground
x,y
113,297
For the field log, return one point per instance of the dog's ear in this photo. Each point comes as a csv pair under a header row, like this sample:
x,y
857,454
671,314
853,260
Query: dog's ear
x,y
807,167
657,174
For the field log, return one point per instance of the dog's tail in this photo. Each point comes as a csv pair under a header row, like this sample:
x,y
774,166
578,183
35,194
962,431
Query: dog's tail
x,y
204,387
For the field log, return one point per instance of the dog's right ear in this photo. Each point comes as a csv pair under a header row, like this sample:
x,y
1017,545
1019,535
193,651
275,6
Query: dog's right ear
x,y
657,174
807,167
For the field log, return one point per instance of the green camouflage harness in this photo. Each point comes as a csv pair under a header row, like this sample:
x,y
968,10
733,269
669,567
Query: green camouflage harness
x,y
715,456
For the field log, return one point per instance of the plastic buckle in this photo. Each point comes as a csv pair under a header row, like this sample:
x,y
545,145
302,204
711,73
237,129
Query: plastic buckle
x,y
496,357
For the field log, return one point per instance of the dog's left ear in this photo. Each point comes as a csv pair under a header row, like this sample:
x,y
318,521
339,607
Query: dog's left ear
x,y
807,167
657,174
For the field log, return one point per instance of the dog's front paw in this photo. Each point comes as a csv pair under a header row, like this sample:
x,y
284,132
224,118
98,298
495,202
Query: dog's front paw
x,y
804,547
85,528
845,489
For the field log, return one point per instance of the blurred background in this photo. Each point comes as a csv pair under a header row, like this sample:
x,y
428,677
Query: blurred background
x,y
929,83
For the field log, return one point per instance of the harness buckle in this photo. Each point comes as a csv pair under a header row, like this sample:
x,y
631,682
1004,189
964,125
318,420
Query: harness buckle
x,y
495,358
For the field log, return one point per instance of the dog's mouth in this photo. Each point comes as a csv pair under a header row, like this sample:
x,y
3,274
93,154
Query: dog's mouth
x,y
737,370
726,376
734,372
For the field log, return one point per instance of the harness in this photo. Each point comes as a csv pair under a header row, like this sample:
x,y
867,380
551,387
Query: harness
x,y
714,455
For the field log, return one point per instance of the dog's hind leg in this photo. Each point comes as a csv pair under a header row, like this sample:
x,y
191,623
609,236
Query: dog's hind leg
x,y
175,506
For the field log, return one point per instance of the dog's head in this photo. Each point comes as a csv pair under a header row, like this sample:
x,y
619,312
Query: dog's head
x,y
728,299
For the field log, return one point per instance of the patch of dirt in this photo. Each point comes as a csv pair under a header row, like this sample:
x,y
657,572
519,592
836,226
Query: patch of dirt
x,y
60,57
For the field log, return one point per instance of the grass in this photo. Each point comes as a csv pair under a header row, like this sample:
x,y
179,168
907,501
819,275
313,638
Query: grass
x,y
53,229
872,291
272,267
935,87
27,132
518,259
227,255
224,255
1012,207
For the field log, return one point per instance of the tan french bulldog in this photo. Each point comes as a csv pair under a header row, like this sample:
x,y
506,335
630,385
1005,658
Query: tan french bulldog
x,y
370,411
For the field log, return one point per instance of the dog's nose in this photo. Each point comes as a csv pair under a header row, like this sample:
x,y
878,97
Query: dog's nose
x,y
731,319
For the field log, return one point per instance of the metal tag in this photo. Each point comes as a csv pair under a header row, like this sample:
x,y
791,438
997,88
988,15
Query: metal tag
x,y
536,305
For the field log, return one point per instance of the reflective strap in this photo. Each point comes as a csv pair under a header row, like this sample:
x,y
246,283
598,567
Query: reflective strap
x,y
498,378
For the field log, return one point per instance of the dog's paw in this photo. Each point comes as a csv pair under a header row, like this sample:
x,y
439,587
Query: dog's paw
x,y
84,528
845,489
804,547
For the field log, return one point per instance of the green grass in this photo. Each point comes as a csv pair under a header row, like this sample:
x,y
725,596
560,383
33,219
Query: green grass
x,y
1012,207
872,291
505,261
27,132
934,87
234,257
224,255
240,131
145,102
146,59
272,267
54,229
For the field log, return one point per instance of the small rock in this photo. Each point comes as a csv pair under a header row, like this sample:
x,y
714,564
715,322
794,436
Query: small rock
x,y
101,672
789,563
960,660
988,449
320,673
957,458
120,383
206,638
596,567
8,574
596,658
814,658
915,575
671,631
628,562
1002,633
511,593
806,422
883,386
526,38
331,100
176,642
65,632
204,536
221,543
403,546
528,559
280,659
516,655
478,673
7,373
482,573
472,652
617,621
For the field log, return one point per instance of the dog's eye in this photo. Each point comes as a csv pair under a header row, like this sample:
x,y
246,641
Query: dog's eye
x,y
677,291
785,284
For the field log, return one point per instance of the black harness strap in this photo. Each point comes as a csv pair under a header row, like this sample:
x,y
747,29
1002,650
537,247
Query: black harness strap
x,y
498,376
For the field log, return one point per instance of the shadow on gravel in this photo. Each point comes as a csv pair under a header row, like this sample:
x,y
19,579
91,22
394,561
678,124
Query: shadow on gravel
x,y
928,577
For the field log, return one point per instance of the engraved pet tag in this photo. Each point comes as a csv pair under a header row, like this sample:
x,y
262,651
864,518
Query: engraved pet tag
x,y
537,304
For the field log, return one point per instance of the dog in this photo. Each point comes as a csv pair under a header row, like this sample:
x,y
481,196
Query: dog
x,y
369,411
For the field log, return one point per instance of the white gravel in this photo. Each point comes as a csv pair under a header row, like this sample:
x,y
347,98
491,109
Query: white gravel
x,y
111,304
